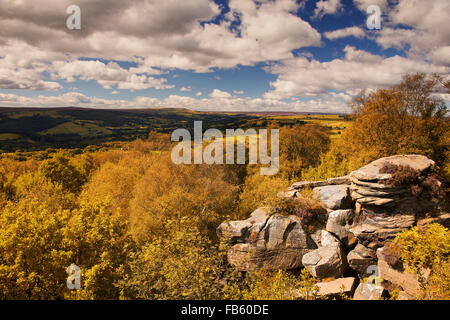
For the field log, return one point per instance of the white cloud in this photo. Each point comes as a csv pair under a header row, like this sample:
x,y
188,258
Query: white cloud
x,y
440,55
358,70
216,93
238,91
198,94
107,75
160,34
346,32
324,7
364,4
427,31
328,103
186,89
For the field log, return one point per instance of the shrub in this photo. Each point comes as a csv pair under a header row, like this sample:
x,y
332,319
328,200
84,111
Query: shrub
x,y
425,186
422,248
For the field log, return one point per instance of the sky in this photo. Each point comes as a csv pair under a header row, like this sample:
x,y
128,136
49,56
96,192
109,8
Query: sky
x,y
215,55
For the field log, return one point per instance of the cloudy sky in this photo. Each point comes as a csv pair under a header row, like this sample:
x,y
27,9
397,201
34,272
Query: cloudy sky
x,y
217,55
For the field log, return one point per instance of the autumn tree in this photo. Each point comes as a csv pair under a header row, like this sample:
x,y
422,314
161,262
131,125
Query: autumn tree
x,y
408,118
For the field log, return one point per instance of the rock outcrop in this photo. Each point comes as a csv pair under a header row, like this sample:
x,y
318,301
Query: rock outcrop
x,y
369,188
363,212
374,229
266,241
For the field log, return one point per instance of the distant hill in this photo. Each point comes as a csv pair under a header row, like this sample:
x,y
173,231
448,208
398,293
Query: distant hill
x,y
29,129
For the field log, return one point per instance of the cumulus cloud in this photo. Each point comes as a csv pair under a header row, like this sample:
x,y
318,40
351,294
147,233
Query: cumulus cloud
x,y
356,71
364,4
161,34
346,32
107,75
426,32
216,93
324,7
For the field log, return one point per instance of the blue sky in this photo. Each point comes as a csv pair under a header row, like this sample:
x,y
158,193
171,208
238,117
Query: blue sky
x,y
237,55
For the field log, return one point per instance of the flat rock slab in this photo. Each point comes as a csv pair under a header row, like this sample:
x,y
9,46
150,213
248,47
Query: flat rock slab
x,y
334,288
371,172
314,184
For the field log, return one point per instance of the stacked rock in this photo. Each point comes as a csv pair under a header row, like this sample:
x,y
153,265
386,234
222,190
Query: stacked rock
x,y
369,188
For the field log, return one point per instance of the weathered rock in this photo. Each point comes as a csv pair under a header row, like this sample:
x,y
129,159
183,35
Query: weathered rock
x,y
240,231
359,260
371,172
327,239
308,184
326,262
335,196
402,278
370,190
335,288
339,223
278,243
328,182
366,291
443,219
375,229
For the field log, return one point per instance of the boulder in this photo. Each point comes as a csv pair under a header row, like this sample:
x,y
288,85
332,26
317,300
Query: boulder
x,y
327,239
335,288
359,259
334,197
278,243
240,231
367,291
339,223
400,276
326,262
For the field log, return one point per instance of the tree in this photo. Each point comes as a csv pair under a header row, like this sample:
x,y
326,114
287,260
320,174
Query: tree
x,y
300,148
183,265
